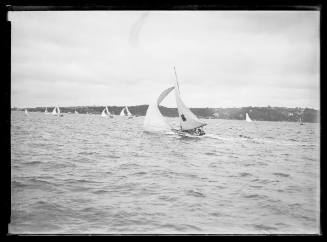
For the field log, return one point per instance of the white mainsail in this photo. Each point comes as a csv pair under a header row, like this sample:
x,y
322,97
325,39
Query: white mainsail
x,y
76,112
188,120
247,118
154,121
46,111
54,111
122,113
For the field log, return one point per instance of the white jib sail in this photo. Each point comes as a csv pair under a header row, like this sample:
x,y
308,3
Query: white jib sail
x,y
154,121
103,114
122,113
107,111
54,112
128,112
58,110
187,119
247,118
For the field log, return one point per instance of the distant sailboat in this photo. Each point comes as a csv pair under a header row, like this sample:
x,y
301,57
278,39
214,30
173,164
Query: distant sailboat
x,y
189,124
46,111
125,112
106,113
103,114
58,111
54,111
129,115
76,112
247,118
122,113
26,111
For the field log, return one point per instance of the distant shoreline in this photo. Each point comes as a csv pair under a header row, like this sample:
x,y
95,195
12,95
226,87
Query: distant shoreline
x,y
308,115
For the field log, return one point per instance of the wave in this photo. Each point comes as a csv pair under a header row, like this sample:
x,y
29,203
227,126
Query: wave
x,y
100,191
244,174
211,154
264,227
33,163
168,198
195,193
87,153
17,184
281,174
182,227
139,173
255,196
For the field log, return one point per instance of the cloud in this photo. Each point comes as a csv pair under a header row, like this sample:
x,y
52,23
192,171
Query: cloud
x,y
222,58
136,28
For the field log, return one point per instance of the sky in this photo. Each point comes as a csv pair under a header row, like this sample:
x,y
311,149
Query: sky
x,y
222,58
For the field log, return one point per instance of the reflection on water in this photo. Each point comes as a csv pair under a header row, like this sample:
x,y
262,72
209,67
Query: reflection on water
x,y
87,174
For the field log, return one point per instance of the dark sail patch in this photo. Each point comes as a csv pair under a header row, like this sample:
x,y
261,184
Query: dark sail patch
x,y
183,117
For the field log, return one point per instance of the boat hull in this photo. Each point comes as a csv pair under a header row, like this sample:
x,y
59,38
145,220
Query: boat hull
x,y
186,134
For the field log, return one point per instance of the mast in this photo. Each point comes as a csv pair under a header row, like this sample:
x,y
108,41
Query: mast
x,y
188,120
176,78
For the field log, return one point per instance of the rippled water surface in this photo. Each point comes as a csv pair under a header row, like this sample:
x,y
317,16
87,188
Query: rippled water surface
x,y
87,174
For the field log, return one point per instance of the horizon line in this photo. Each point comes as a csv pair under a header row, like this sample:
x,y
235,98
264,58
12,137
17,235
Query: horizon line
x,y
267,106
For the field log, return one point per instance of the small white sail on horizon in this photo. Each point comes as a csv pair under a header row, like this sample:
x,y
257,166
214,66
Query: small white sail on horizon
x,y
125,112
54,111
122,113
76,112
247,118
106,113
26,111
46,111
128,112
103,114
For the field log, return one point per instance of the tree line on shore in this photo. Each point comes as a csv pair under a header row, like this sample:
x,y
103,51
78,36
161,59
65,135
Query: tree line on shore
x,y
256,113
